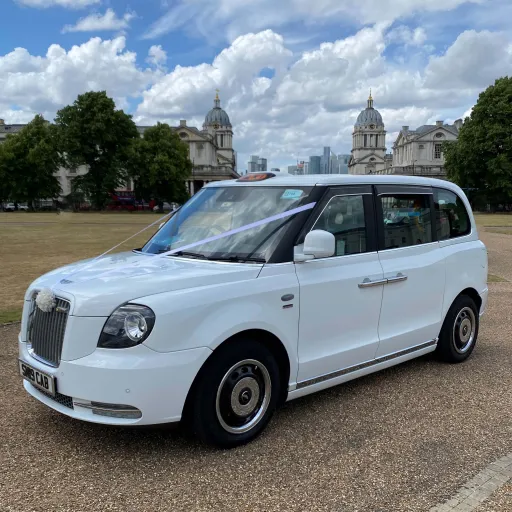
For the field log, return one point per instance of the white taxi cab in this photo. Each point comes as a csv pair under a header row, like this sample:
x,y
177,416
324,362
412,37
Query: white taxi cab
x,y
258,291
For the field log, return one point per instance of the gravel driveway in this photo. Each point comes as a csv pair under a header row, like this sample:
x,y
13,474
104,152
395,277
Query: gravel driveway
x,y
401,440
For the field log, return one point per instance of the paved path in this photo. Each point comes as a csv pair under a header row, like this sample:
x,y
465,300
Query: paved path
x,y
475,494
406,439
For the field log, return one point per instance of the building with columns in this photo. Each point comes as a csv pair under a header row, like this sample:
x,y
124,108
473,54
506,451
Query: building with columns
x,y
420,151
368,153
210,150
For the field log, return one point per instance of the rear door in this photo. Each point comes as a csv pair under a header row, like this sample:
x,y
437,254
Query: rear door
x,y
340,296
413,265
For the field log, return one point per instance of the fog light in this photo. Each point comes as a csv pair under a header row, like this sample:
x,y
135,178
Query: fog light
x,y
116,410
112,410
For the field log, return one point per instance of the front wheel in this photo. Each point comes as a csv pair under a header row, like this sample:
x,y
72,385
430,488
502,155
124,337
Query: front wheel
x,y
234,395
458,336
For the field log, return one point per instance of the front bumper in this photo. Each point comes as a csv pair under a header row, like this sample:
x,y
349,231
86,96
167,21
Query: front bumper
x,y
155,383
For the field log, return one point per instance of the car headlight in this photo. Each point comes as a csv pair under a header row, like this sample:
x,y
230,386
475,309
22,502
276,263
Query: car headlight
x,y
128,326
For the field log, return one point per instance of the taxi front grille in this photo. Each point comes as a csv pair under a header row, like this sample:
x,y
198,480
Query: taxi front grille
x,y
46,331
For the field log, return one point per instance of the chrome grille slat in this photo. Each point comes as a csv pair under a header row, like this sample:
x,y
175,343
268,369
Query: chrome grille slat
x,y
46,331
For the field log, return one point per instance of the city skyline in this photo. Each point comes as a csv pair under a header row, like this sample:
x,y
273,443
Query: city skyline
x,y
292,77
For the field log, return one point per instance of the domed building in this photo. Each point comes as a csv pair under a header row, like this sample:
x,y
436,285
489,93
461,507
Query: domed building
x,y
210,149
368,142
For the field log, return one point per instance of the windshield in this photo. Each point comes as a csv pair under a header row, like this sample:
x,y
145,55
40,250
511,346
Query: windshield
x,y
216,210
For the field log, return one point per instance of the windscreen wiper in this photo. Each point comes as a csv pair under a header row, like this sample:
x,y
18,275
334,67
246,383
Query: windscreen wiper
x,y
237,259
190,255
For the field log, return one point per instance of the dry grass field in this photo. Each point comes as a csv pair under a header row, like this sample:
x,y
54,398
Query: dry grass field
x,y
35,243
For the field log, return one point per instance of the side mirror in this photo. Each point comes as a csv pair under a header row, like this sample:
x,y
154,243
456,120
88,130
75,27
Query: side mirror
x,y
317,244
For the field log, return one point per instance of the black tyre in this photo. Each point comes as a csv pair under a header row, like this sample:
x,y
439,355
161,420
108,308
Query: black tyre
x,y
234,395
460,331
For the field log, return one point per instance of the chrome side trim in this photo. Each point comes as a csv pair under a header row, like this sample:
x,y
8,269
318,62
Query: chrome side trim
x,y
367,364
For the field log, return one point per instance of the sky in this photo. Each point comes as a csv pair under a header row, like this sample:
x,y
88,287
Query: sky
x,y
293,74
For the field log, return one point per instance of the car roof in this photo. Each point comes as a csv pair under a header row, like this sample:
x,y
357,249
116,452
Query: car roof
x,y
310,180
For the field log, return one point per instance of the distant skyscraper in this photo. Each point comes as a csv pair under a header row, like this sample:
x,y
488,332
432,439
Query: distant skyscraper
x,y
314,164
257,164
292,169
325,163
275,169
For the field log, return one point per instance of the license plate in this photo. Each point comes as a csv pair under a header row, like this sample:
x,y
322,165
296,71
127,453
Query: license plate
x,y
38,378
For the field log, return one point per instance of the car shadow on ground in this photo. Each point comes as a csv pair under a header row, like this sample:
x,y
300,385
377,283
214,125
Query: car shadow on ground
x,y
292,418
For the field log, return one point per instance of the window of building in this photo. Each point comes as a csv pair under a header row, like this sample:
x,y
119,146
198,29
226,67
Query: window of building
x,y
452,219
365,140
221,140
407,220
344,218
422,146
438,150
184,135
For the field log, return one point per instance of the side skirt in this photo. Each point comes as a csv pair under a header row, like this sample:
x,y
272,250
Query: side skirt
x,y
309,386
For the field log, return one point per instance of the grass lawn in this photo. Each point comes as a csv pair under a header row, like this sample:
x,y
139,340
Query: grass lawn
x,y
495,223
35,243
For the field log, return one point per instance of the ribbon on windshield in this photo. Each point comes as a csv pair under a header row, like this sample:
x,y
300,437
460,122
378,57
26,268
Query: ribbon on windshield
x,y
231,232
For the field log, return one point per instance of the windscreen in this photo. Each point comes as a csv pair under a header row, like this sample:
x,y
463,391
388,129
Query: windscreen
x,y
217,210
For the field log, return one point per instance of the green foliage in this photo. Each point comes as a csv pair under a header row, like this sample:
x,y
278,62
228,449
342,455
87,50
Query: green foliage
x,y
159,165
482,156
93,133
28,162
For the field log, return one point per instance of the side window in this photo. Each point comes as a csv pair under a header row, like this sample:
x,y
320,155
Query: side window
x,y
407,220
452,219
344,218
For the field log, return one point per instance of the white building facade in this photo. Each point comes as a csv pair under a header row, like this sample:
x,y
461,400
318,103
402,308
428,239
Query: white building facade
x,y
420,151
210,150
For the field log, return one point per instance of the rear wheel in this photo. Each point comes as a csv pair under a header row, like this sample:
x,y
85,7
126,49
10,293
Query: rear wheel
x,y
234,395
460,331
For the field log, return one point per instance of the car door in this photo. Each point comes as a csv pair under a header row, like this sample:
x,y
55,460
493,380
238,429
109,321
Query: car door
x,y
413,266
340,296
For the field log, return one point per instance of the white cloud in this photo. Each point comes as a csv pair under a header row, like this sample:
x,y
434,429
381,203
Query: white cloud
x,y
70,4
45,84
97,22
157,56
474,60
216,19
404,35
312,99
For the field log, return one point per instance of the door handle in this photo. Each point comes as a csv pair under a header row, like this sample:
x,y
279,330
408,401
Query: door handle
x,y
397,279
368,283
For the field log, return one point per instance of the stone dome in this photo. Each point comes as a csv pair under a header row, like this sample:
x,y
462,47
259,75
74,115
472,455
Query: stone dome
x,y
217,116
369,116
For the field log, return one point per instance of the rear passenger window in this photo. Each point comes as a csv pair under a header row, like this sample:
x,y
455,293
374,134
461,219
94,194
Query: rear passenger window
x,y
344,218
452,219
407,220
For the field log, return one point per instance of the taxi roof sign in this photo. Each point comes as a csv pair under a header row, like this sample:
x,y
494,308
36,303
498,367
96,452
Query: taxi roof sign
x,y
257,176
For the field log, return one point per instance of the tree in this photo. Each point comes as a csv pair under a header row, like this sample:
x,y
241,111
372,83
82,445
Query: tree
x,y
159,165
29,160
481,158
93,133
